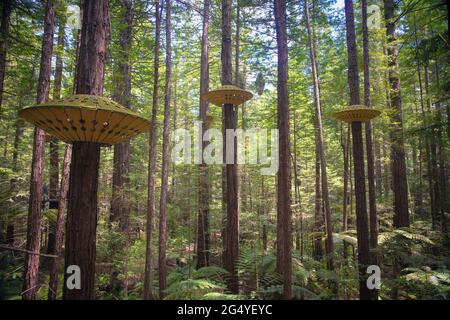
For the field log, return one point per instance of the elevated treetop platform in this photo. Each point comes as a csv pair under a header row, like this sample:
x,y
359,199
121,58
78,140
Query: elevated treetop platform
x,y
84,117
227,94
356,113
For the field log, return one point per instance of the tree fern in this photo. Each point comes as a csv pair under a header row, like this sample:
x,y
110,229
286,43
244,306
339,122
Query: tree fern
x,y
221,296
211,273
192,289
298,292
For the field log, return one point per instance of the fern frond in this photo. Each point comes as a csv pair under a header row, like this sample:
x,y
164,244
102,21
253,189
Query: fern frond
x,y
191,289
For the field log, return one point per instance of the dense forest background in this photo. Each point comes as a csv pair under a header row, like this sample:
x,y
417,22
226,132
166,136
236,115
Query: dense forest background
x,y
404,48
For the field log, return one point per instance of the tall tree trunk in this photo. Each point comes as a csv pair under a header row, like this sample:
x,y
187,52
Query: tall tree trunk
x,y
54,152
443,180
318,216
204,183
264,213
320,141
386,169
368,126
427,151
419,196
120,202
6,9
238,81
299,218
232,183
284,214
224,191
237,54
19,129
165,159
433,174
378,169
347,175
399,182
59,227
81,225
346,153
31,272
369,148
362,227
172,192
148,294
122,95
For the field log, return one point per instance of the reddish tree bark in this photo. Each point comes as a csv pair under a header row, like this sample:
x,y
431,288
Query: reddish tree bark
x,y
443,181
204,183
31,272
299,217
362,227
427,150
284,211
378,172
6,9
165,159
59,227
231,237
120,208
120,204
369,148
148,294
399,182
237,45
373,225
346,155
54,153
19,129
320,147
418,197
318,216
435,192
82,211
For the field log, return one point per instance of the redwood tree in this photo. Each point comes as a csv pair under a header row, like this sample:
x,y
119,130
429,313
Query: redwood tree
x,y
358,156
165,159
368,126
369,147
284,211
6,9
55,237
204,184
152,158
122,94
82,208
54,153
231,236
30,278
320,148
59,225
399,182
120,207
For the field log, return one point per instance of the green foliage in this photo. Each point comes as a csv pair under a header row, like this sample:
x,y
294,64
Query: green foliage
x,y
424,283
221,296
419,250
11,270
298,292
188,283
191,289
213,273
399,233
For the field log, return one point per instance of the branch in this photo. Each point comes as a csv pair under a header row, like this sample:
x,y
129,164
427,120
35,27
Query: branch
x,y
5,247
